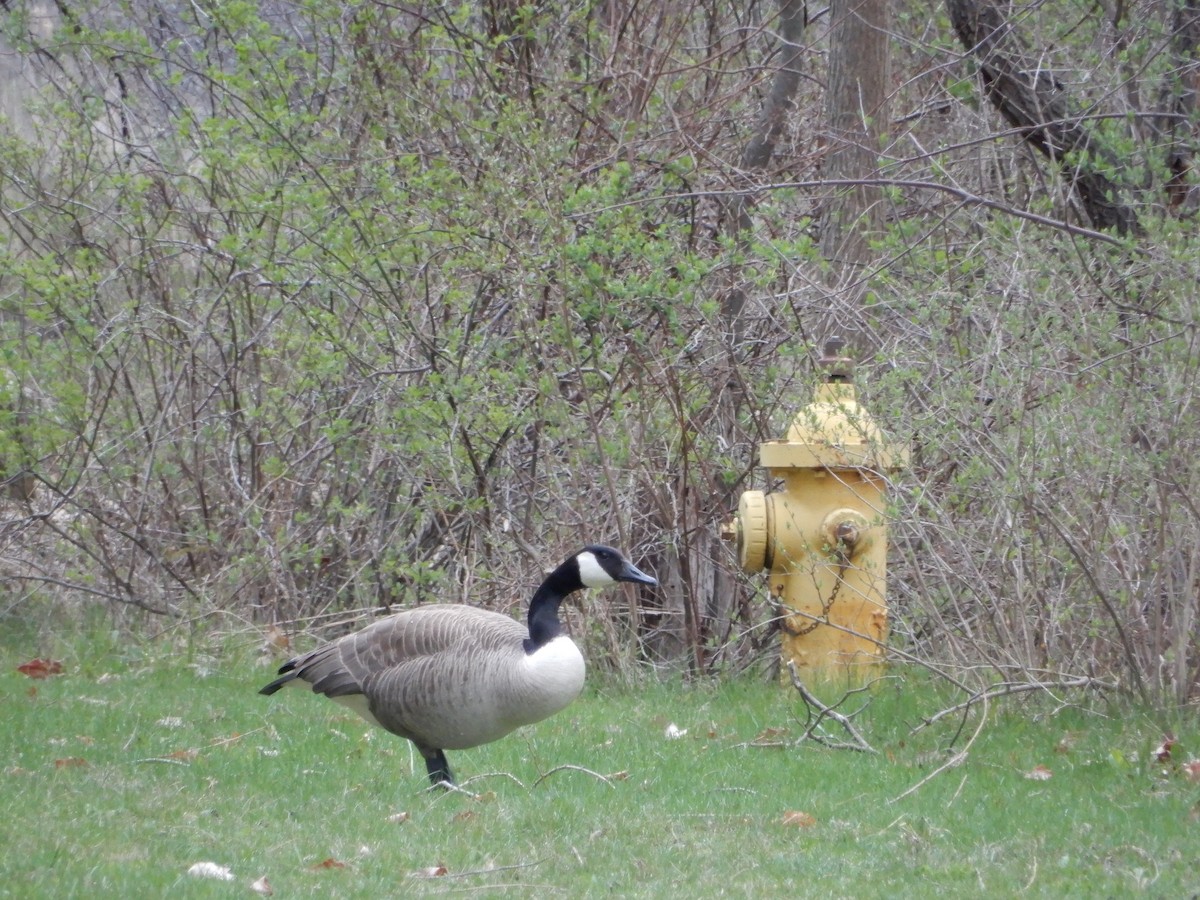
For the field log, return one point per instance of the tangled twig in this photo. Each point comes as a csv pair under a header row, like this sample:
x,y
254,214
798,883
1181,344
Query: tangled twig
x,y
1007,688
818,711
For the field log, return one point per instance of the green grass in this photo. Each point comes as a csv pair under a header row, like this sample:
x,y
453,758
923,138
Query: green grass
x,y
278,786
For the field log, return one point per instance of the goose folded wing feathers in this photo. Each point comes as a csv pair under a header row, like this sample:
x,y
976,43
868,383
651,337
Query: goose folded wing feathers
x,y
361,663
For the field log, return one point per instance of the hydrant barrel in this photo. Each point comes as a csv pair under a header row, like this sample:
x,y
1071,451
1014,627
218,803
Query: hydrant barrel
x,y
823,536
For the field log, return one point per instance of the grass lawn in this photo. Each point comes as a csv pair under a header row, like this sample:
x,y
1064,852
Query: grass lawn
x,y
123,772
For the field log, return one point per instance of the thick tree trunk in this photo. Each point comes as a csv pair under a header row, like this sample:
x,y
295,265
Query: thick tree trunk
x,y
793,18
1032,101
856,118
1181,104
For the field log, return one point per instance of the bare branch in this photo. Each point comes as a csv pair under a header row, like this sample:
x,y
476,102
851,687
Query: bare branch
x,y
1008,688
817,711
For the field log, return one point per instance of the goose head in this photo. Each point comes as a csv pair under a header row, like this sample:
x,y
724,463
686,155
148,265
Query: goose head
x,y
599,566
594,566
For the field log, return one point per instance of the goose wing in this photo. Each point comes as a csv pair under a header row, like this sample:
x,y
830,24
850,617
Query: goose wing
x,y
406,641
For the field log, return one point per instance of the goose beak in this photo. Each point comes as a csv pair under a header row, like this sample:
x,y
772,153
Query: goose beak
x,y
630,572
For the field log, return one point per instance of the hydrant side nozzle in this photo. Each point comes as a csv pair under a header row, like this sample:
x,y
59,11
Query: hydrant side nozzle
x,y
753,532
846,532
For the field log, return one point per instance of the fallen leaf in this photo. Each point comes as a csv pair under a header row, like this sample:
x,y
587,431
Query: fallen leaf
x,y
328,863
1039,773
262,886
1162,753
1191,770
70,762
797,819
41,668
275,637
770,734
210,870
431,872
397,818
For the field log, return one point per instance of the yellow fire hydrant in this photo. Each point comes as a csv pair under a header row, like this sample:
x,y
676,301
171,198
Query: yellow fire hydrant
x,y
823,537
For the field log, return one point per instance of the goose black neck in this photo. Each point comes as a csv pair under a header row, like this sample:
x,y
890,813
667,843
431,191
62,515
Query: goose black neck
x,y
544,625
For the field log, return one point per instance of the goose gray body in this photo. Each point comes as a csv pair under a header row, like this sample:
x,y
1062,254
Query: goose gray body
x,y
449,677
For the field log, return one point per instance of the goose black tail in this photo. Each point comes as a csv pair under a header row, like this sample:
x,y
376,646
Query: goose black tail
x,y
286,674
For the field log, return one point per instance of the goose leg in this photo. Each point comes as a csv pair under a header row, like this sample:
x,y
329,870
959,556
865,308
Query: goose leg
x,y
439,769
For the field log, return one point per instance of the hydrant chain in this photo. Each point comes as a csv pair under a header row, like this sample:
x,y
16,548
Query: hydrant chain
x,y
823,619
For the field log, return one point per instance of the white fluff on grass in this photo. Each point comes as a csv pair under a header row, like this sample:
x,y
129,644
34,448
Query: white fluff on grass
x,y
210,870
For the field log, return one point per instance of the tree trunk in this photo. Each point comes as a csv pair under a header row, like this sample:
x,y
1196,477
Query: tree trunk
x,y
793,17
856,118
1034,102
1180,103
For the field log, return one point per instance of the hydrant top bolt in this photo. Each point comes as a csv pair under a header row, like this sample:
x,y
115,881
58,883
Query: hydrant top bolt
x,y
838,369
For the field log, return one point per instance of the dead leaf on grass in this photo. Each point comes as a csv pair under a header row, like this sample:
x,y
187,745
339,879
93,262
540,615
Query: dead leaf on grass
x,y
431,872
397,818
769,737
1162,753
328,863
262,886
276,637
41,668
1039,773
71,762
797,819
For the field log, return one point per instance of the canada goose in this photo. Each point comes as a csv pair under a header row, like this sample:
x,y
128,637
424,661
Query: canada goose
x,y
448,676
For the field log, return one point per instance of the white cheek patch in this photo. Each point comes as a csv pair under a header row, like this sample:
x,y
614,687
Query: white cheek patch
x,y
591,573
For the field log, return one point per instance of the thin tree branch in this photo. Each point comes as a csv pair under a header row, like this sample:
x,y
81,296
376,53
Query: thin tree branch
x,y
1008,688
823,711
967,197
